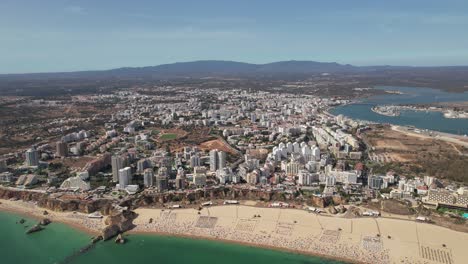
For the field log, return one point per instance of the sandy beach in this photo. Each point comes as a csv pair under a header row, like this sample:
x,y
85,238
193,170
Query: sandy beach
x,y
363,240
357,240
74,219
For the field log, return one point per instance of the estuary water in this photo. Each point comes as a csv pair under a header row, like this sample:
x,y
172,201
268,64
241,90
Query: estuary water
x,y
410,95
58,241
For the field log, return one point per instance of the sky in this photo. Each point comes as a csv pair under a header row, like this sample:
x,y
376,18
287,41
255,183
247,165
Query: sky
x,y
72,35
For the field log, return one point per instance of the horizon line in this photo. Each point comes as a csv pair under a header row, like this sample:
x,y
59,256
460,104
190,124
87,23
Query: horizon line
x,y
222,60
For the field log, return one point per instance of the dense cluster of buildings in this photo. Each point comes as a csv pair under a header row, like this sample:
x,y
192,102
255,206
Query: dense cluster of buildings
x,y
277,141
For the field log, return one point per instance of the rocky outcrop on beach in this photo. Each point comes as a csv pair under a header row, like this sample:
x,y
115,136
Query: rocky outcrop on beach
x,y
94,240
120,239
39,226
35,228
45,221
118,223
332,210
326,201
353,212
321,202
341,209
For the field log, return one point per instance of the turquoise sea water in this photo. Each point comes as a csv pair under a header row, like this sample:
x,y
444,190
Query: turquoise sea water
x,y
419,119
48,246
59,241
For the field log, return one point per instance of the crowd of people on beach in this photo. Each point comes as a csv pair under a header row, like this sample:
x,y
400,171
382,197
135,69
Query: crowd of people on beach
x,y
245,231
88,223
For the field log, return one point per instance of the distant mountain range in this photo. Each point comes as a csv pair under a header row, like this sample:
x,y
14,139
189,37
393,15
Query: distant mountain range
x,y
217,68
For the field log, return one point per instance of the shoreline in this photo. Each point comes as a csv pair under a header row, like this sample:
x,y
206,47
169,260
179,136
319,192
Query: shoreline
x,y
432,134
349,240
406,127
397,109
247,244
37,217
404,107
36,214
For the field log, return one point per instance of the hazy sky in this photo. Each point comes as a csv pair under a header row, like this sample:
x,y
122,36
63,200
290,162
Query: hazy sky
x,y
67,35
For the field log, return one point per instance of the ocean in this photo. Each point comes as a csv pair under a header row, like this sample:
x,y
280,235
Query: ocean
x,y
411,95
58,242
47,246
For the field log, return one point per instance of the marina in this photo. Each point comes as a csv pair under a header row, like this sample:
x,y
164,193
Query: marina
x,y
386,110
395,110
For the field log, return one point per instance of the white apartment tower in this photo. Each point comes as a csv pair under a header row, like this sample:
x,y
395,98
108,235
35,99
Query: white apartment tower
x,y
213,160
125,176
217,160
221,160
117,163
32,157
148,178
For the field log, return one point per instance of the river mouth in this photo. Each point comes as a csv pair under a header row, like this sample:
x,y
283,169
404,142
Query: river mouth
x,y
431,120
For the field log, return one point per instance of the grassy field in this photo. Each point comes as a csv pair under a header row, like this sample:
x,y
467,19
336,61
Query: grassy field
x,y
168,136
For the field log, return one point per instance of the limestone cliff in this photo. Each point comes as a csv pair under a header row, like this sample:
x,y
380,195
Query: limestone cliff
x,y
231,194
59,205
210,194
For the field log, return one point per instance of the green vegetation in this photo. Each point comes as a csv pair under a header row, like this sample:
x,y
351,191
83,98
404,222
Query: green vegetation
x,y
378,168
55,166
386,190
444,210
168,136
100,180
41,171
452,167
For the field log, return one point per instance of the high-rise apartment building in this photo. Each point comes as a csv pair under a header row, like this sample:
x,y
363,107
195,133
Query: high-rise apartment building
x,y
32,157
125,177
62,149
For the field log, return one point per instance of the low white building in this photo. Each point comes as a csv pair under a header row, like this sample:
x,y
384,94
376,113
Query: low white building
x,y
75,183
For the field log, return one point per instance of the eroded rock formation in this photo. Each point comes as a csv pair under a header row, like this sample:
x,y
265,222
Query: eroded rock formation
x,y
118,223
